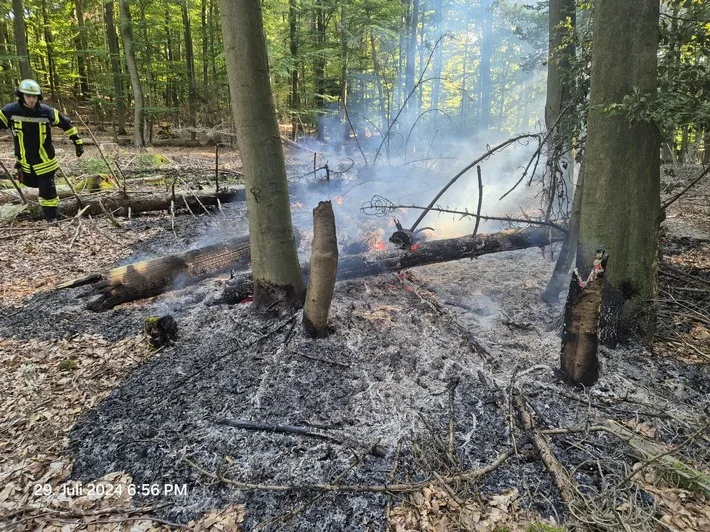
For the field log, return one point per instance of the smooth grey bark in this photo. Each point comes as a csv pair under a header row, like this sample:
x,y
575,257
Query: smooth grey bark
x,y
190,63
127,34
18,20
277,273
82,44
485,65
621,200
112,39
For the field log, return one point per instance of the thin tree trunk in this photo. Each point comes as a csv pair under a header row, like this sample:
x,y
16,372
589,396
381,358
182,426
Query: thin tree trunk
x,y
324,265
52,74
190,61
561,52
277,273
127,33
319,64
81,43
112,38
344,69
560,276
23,53
295,96
485,65
438,55
411,52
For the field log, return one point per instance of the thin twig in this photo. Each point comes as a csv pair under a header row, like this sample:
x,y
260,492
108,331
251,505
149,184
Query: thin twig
x,y
671,201
480,200
124,187
14,184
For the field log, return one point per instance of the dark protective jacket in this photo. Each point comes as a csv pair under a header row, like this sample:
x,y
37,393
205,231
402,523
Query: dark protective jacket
x,y
32,133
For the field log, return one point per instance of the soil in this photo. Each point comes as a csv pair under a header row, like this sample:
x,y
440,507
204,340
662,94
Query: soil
x,y
413,359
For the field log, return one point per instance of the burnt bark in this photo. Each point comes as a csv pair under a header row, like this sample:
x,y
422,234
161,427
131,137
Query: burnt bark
x,y
435,251
580,335
155,276
324,264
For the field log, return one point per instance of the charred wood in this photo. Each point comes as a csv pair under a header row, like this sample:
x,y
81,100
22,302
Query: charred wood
x,y
155,276
580,336
432,252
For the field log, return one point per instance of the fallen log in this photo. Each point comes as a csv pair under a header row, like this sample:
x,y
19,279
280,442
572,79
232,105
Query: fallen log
x,y
120,203
155,276
152,277
431,252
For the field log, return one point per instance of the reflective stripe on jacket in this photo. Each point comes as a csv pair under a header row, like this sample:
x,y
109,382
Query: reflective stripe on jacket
x,y
32,134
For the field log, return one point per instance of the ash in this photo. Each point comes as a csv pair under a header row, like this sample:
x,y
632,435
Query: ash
x,y
383,378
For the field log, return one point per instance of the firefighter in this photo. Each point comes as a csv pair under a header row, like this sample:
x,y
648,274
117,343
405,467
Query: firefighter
x,y
30,122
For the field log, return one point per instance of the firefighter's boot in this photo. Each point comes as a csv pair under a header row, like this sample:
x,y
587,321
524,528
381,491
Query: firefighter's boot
x,y
51,214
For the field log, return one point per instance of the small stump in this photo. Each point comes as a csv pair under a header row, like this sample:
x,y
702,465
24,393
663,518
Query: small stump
x,y
161,330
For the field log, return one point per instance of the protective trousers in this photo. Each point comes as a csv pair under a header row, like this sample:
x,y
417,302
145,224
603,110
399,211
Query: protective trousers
x,y
48,198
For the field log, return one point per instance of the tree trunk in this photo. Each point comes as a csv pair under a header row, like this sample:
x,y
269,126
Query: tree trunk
x,y
324,264
319,66
485,66
82,45
190,61
344,71
411,52
438,55
127,33
295,97
112,38
277,273
561,51
621,200
52,74
568,252
23,54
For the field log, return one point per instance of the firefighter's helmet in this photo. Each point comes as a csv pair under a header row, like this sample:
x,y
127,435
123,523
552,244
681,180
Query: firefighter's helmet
x,y
29,86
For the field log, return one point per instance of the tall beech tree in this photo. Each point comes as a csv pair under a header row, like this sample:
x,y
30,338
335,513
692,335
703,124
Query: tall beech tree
x,y
621,199
275,266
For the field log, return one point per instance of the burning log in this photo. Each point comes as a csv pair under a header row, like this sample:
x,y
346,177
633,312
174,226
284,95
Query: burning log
x,y
155,276
430,252
580,335
324,263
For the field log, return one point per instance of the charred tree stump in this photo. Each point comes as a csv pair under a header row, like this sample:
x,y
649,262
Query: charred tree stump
x,y
324,264
155,276
580,337
161,330
432,252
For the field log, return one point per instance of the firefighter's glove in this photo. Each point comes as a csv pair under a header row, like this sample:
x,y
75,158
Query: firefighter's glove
x,y
79,149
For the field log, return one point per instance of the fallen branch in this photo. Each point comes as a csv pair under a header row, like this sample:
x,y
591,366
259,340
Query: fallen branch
x,y
469,476
376,450
559,474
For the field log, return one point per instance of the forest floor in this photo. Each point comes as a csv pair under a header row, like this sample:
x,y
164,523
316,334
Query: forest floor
x,y
417,388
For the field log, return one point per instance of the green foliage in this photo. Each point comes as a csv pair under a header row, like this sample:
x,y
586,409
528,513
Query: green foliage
x,y
68,364
91,165
544,527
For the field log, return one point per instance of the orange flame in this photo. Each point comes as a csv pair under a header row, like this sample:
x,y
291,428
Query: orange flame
x,y
339,201
415,247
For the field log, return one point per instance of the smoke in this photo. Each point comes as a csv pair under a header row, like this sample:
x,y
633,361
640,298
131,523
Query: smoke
x,y
474,86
